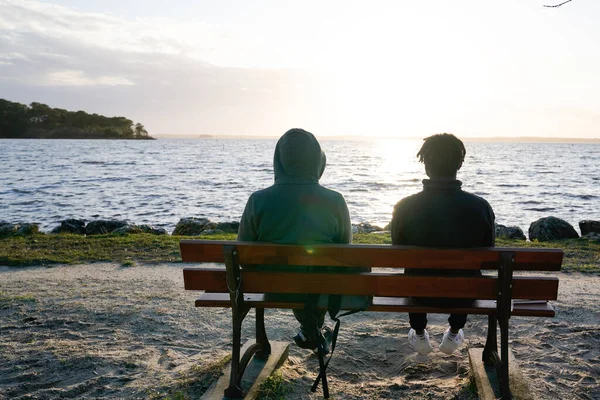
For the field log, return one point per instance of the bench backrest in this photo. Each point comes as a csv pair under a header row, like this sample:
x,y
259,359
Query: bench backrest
x,y
380,283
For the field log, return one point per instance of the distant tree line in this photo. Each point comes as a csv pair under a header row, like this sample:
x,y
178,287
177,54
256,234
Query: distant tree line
x,y
41,121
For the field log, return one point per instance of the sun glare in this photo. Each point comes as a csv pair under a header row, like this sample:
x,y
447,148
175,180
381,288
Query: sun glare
x,y
397,169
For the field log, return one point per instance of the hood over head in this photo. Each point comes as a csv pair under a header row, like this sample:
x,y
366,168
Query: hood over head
x,y
298,158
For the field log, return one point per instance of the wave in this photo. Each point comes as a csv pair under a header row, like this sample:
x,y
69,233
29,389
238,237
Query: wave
x,y
116,163
368,186
580,196
511,185
529,202
22,191
543,209
229,185
115,179
410,180
27,203
147,213
29,191
150,176
93,162
384,185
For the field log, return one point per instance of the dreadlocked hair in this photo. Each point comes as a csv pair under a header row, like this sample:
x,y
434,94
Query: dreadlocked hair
x,y
442,154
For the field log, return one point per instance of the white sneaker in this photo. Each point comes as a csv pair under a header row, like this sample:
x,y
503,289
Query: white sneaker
x,y
420,343
451,341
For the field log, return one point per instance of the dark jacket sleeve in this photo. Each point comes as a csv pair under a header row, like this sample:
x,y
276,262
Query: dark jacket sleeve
x,y
490,238
397,224
247,231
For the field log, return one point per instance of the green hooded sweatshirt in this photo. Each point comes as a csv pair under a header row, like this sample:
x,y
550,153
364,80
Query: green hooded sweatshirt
x,y
296,209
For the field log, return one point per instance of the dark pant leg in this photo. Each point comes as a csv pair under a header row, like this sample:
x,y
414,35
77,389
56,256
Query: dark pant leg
x,y
301,317
418,321
457,321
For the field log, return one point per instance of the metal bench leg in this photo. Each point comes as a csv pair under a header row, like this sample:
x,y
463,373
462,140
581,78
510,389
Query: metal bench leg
x,y
261,334
503,373
491,356
490,351
238,312
504,308
234,390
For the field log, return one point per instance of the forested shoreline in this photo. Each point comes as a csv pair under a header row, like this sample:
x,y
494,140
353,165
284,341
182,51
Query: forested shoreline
x,y
40,121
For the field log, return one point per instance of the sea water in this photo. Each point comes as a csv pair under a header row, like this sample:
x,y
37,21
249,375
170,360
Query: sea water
x,y
158,182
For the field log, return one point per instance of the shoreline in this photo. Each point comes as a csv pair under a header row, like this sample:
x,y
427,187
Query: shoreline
x,y
197,225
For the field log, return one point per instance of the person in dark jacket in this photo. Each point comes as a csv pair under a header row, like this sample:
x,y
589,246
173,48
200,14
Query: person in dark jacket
x,y
296,209
442,215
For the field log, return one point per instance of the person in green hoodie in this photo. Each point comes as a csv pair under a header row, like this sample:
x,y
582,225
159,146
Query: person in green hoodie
x,y
296,209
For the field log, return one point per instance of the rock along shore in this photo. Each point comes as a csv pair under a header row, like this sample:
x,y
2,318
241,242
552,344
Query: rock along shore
x,y
544,229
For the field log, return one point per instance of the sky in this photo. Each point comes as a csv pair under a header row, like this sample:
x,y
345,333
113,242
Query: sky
x,y
401,68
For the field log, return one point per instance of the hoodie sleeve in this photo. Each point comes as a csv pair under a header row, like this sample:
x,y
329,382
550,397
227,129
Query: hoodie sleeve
x,y
247,231
345,225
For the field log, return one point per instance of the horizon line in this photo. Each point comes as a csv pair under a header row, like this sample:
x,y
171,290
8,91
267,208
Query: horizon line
x,y
364,137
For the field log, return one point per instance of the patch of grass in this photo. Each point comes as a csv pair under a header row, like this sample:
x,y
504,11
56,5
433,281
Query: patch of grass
x,y
130,365
26,298
75,249
580,254
191,384
177,396
468,391
212,371
372,238
128,263
274,388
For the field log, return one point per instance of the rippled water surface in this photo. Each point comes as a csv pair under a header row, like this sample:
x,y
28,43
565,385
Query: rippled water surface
x,y
158,182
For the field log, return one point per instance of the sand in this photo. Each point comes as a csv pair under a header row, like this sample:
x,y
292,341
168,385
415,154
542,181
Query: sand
x,y
105,331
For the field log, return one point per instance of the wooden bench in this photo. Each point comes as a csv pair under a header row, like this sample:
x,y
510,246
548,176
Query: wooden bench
x,y
498,294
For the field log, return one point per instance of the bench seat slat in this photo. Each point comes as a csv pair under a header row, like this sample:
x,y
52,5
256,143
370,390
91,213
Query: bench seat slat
x,y
372,256
374,283
384,304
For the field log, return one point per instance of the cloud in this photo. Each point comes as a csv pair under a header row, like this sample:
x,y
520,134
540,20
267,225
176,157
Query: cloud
x,y
218,43
70,77
88,29
13,56
106,65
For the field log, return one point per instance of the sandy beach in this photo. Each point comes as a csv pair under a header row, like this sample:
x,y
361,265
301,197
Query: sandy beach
x,y
105,331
